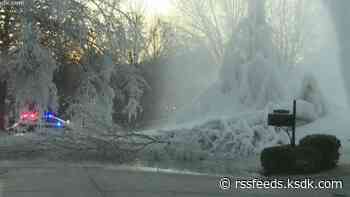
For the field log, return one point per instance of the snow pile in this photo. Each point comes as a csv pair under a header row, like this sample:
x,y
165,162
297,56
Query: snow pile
x,y
223,138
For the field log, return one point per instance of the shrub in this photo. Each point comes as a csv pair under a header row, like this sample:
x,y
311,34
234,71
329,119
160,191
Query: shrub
x,y
286,160
307,160
277,159
328,145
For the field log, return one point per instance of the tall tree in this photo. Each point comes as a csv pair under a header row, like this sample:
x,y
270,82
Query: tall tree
x,y
287,18
9,32
216,21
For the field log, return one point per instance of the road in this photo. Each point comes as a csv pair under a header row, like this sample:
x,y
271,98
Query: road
x,y
49,179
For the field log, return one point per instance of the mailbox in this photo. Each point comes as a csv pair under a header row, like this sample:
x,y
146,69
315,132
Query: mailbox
x,y
283,118
281,111
280,118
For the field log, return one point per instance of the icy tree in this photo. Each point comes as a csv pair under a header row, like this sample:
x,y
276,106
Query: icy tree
x,y
124,39
92,106
101,43
34,68
130,86
249,66
8,36
216,21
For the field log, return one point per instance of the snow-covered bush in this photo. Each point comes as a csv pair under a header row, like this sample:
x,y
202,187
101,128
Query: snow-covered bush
x,y
229,138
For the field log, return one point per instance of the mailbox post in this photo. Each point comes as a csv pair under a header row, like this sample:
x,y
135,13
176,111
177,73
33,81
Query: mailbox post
x,y
294,120
283,118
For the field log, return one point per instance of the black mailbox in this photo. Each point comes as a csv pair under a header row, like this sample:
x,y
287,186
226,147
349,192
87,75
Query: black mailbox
x,y
281,118
281,111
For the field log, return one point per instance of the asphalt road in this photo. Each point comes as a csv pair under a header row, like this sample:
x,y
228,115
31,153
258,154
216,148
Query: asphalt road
x,y
46,179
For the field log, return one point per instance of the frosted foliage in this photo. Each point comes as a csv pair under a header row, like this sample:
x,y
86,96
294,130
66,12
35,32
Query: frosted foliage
x,y
260,84
249,69
225,138
34,72
249,40
255,83
105,93
132,90
246,87
93,114
133,108
93,106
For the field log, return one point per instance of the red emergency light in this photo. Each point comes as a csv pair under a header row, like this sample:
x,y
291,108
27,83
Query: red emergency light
x,y
33,116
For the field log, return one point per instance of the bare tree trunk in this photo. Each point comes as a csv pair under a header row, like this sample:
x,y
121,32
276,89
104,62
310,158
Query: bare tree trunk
x,y
3,94
257,11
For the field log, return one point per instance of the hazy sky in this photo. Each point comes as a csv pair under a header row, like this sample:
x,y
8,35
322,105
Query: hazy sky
x,y
154,7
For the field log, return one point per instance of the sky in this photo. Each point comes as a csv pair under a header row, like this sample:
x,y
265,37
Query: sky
x,y
155,7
